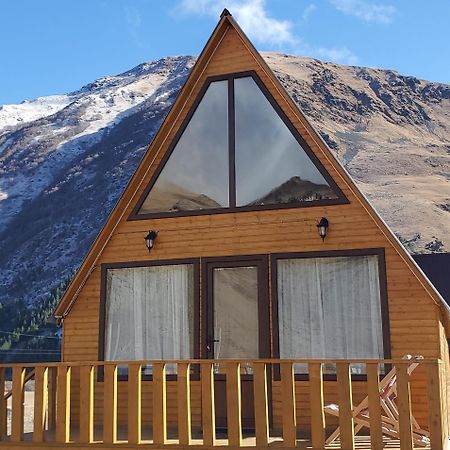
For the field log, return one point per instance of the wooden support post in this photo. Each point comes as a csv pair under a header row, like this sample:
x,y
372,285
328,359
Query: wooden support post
x,y
18,381
159,404
261,408
110,404
373,389
316,402
288,405
134,404
436,419
51,410
346,422
63,404
184,404
404,407
233,386
86,404
40,402
208,410
3,415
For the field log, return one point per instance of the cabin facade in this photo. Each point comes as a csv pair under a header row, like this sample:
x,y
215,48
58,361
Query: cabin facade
x,y
267,290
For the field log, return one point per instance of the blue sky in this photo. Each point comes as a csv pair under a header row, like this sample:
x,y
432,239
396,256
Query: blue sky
x,y
56,46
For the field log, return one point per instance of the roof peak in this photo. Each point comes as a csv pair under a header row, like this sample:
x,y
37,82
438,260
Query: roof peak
x,y
225,12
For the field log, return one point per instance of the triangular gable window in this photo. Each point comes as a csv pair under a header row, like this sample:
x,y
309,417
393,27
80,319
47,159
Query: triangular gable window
x,y
271,166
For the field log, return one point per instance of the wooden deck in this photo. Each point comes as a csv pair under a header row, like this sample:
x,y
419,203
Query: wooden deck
x,y
47,420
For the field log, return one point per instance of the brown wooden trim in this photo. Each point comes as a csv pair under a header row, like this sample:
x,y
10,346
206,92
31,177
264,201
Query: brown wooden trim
x,y
275,257
152,263
231,158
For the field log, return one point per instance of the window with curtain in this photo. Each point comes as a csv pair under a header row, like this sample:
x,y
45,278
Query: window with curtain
x,y
149,313
329,308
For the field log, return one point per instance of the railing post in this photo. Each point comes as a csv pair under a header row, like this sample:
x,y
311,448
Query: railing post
x,y
86,404
261,409
184,403
159,404
373,388
288,405
51,411
18,380
404,407
134,404
233,386
436,399
316,402
109,404
346,422
208,410
3,415
63,404
40,402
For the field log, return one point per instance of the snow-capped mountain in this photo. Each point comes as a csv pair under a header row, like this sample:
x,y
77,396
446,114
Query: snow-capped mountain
x,y
65,159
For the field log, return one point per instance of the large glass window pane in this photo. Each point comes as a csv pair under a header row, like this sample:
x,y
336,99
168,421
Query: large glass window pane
x,y
149,313
330,308
271,166
196,175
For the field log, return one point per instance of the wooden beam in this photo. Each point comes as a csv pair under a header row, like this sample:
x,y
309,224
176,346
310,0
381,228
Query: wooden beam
x,y
63,402
233,386
404,407
40,402
435,410
86,404
134,404
184,404
3,403
316,402
346,423
208,410
51,410
261,408
373,389
18,381
288,405
110,404
159,404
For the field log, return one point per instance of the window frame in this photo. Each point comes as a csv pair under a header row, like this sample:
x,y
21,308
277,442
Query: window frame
x,y
385,326
341,199
195,262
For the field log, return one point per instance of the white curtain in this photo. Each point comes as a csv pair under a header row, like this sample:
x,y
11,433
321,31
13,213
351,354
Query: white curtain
x,y
330,308
149,313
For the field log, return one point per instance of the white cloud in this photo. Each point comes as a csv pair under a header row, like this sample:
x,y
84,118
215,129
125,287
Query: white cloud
x,y
367,11
337,55
308,11
251,15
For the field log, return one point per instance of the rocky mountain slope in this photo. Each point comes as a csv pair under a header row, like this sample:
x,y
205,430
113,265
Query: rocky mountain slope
x,y
64,160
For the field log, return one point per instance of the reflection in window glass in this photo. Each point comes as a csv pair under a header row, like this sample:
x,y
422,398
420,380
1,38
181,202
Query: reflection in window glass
x,y
271,166
196,174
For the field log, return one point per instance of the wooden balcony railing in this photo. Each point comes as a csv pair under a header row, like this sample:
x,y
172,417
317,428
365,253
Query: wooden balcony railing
x,y
177,402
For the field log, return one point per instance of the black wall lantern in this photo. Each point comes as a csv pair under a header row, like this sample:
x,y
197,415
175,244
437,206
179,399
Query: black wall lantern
x,y
150,239
322,227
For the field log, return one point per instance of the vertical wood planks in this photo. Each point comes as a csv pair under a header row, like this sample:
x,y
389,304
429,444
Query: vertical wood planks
x,y
344,388
404,407
134,403
208,410
159,404
86,404
63,404
110,404
3,416
184,403
316,402
435,410
40,402
261,410
288,405
233,386
373,388
51,410
18,380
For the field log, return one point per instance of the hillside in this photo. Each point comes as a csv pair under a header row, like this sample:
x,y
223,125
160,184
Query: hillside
x,y
64,160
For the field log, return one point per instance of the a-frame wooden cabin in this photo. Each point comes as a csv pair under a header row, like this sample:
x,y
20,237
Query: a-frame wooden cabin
x,y
245,314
